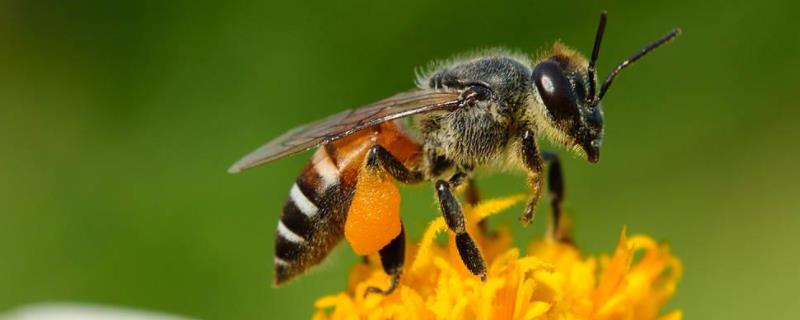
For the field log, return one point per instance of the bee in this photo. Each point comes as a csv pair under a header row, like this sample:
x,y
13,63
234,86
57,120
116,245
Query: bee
x,y
483,110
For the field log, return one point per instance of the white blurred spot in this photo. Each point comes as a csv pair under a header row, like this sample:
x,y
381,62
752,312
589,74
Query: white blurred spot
x,y
68,311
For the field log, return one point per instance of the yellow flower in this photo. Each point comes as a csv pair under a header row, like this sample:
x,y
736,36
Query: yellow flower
x,y
553,281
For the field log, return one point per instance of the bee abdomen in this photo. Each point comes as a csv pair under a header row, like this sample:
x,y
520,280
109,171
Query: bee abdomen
x,y
312,221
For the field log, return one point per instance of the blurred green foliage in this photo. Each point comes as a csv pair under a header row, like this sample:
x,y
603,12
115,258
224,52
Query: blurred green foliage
x,y
118,120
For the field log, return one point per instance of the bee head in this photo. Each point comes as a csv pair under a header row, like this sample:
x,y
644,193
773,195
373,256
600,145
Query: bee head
x,y
565,83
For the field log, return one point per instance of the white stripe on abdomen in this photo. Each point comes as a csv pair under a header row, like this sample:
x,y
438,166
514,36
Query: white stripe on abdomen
x,y
287,234
307,207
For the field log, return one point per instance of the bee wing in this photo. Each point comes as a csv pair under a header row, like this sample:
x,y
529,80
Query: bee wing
x,y
348,122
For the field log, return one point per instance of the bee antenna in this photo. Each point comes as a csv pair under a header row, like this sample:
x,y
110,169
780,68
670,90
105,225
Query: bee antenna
x,y
598,38
647,49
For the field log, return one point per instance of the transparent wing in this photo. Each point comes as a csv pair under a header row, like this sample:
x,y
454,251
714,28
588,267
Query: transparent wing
x,y
347,122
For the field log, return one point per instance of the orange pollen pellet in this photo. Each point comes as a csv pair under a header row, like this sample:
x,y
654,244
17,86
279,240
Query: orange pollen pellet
x,y
374,216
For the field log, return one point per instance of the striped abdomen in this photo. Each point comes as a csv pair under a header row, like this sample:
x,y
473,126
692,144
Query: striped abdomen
x,y
314,217
312,221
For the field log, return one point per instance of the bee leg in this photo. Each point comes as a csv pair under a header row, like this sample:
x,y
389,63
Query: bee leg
x,y
393,254
471,192
454,218
392,258
534,163
379,157
473,197
555,186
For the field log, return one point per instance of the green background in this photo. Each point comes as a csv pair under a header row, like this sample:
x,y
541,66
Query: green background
x,y
119,119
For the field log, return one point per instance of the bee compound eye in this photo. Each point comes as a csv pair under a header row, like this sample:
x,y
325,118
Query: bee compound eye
x,y
555,90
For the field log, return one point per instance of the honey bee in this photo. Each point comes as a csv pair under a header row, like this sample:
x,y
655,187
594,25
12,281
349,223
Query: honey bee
x,y
486,109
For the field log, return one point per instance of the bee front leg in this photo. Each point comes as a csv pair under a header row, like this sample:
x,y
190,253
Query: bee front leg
x,y
532,159
392,258
454,217
555,186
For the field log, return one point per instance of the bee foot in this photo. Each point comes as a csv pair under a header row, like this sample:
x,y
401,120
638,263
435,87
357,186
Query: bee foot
x,y
527,216
377,290
392,285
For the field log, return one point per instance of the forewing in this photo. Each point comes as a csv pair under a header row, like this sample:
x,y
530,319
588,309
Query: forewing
x,y
348,122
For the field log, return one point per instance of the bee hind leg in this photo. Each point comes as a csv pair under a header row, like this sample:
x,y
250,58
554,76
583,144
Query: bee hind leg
x,y
378,157
392,258
454,217
393,254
